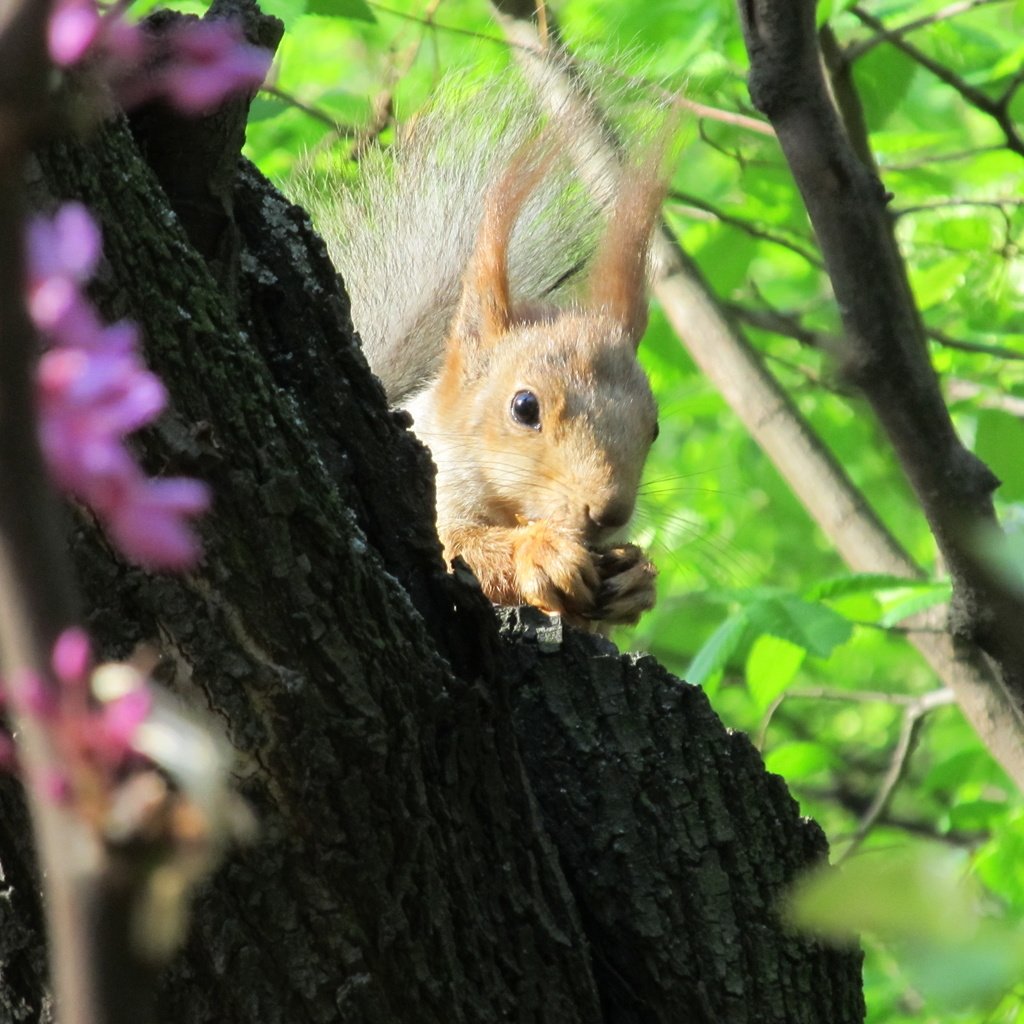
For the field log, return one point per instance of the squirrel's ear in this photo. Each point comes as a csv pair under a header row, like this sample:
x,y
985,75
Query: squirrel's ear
x,y
618,273
485,308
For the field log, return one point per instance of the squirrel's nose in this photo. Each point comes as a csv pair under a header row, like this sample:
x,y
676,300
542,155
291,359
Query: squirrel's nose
x,y
610,516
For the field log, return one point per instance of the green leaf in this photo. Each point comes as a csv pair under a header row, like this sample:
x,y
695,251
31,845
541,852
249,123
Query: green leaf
x,y
771,666
883,78
894,894
717,650
975,968
976,815
999,441
798,760
354,10
814,627
859,583
289,11
904,605
263,108
999,863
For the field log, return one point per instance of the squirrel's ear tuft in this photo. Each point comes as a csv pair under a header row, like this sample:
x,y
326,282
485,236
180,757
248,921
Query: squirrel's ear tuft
x,y
485,308
619,271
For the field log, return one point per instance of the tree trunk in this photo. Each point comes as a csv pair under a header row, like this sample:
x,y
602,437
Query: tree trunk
x,y
455,824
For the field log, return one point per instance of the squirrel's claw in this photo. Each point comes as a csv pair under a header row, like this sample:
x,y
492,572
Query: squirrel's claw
x,y
627,584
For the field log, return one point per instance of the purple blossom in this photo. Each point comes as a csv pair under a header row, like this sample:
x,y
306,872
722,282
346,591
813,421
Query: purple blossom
x,y
30,691
193,65
120,719
151,523
93,389
66,247
208,61
72,656
91,717
74,26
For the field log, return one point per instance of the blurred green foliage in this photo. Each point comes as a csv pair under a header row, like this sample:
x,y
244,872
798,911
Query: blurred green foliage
x,y
754,602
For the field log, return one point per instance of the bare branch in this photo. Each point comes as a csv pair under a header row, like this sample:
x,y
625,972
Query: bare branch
x,y
817,479
996,109
955,202
941,338
886,353
858,50
338,129
941,158
747,227
913,715
36,598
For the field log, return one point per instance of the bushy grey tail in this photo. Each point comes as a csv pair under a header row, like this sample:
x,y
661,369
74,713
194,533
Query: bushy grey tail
x,y
401,232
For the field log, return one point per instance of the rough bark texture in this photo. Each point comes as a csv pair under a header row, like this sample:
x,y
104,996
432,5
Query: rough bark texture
x,y
675,842
455,826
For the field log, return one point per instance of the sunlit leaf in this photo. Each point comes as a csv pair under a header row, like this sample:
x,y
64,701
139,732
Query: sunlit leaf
x,y
356,10
720,647
999,441
815,627
771,666
798,760
894,894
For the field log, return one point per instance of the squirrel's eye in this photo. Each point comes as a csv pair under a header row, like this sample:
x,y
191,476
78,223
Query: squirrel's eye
x,y
525,409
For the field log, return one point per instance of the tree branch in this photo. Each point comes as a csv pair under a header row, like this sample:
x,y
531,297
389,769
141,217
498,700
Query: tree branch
x,y
886,354
913,714
854,52
36,595
816,478
996,109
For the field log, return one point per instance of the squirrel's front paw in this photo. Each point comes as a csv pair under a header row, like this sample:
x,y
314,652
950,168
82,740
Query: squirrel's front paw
x,y
555,572
627,584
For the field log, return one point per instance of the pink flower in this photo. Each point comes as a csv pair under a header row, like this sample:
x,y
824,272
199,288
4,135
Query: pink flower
x,y
29,691
91,717
88,401
208,61
72,656
120,719
92,390
150,521
74,26
67,246
194,65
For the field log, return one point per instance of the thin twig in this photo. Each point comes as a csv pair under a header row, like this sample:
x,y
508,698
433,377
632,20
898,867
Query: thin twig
x,y
747,227
940,158
36,594
996,109
703,110
858,50
955,202
941,338
913,715
338,129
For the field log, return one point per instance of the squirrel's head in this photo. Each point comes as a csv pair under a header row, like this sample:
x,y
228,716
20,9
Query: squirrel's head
x,y
550,421
544,414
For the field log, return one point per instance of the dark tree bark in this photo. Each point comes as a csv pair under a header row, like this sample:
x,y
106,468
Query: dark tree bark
x,y
455,824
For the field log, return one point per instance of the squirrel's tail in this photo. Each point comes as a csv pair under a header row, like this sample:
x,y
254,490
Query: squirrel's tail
x,y
402,231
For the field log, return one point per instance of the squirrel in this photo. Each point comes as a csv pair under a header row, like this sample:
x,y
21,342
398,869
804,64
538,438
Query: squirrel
x,y
456,247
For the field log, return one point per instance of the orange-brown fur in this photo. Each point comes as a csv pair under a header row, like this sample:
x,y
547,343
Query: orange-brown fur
x,y
534,511
462,250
